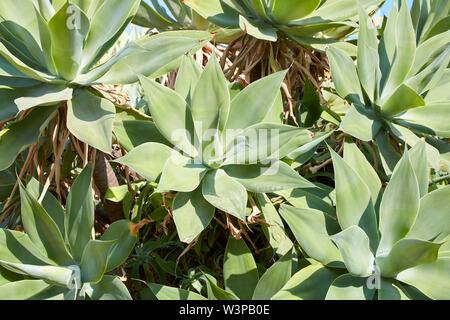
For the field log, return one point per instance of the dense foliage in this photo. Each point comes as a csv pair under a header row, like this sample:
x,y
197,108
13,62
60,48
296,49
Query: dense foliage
x,y
224,150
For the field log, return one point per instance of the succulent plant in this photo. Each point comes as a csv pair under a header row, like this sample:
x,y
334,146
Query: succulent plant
x,y
384,245
57,256
217,148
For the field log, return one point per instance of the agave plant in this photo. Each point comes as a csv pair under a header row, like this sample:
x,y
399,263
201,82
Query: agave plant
x,y
50,56
241,278
396,87
384,245
57,257
214,149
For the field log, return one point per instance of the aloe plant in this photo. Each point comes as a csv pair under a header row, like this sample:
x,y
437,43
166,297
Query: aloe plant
x,y
216,148
50,55
384,245
57,256
395,87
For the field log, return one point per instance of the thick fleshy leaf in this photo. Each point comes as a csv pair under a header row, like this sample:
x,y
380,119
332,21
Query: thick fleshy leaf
x,y
389,156
307,199
211,100
407,253
94,261
273,177
216,11
169,293
354,204
405,48
107,24
345,77
215,292
358,122
90,119
274,278
353,243
31,290
224,193
53,274
402,99
348,287
432,220
399,206
22,134
299,287
42,230
80,213
275,232
171,115
109,288
252,104
429,278
17,247
391,290
239,269
430,119
187,78
418,156
257,29
358,162
43,94
310,229
124,235
68,30
368,61
191,214
148,159
289,10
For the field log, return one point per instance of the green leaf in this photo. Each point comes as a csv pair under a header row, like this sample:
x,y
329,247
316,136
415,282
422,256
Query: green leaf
x,y
432,220
354,204
123,234
152,153
215,292
310,283
405,254
275,232
345,77
348,287
107,24
274,278
90,119
399,206
68,34
31,290
80,213
368,61
191,214
402,99
224,193
109,288
271,177
17,247
216,11
239,269
41,95
391,290
418,156
19,135
429,278
311,101
42,230
251,105
169,293
353,243
171,115
187,78
430,119
310,229
257,29
405,48
94,261
359,123
289,10
211,100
